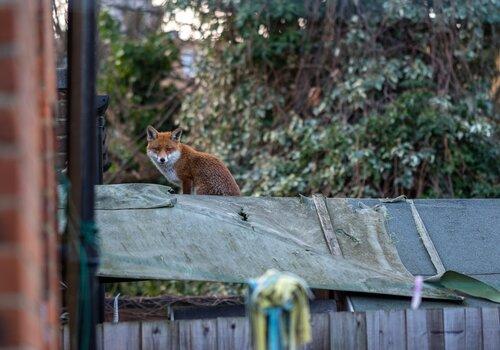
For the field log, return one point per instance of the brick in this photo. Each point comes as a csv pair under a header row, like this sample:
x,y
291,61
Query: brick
x,y
28,241
48,120
15,300
8,77
7,23
9,225
48,53
18,276
33,250
11,323
16,230
48,139
19,328
11,276
8,202
48,158
9,173
8,129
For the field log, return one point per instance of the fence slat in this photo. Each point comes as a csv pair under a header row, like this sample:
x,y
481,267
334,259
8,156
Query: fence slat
x,y
372,330
99,337
454,328
435,328
198,334
473,329
174,336
233,333
491,328
448,328
121,336
155,335
347,330
417,334
320,326
392,329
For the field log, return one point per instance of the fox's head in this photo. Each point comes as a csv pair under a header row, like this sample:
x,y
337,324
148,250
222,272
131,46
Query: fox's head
x,y
163,147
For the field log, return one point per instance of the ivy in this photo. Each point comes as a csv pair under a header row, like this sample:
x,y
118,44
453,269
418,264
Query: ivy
x,y
389,98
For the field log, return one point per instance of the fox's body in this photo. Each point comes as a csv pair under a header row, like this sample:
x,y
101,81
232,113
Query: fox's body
x,y
184,166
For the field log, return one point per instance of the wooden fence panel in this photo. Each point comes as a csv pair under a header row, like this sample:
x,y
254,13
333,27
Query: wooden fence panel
x,y
454,328
417,334
473,329
320,324
198,334
491,328
347,330
373,330
435,329
174,336
233,333
449,328
392,329
155,335
123,335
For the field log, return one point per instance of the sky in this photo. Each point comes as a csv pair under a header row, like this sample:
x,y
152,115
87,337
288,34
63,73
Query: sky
x,y
183,22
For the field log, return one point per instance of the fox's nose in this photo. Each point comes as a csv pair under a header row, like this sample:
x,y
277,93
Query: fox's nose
x,y
162,160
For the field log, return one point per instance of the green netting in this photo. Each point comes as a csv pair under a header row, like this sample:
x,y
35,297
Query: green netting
x,y
147,233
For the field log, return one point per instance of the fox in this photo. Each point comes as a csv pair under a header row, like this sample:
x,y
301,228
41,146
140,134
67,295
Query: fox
x,y
193,171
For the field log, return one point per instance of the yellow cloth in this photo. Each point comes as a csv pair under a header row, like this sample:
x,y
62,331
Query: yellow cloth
x,y
286,291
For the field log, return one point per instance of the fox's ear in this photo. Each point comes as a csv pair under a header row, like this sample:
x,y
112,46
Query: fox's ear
x,y
176,134
152,133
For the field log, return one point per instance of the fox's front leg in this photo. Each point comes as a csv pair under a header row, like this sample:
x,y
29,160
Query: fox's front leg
x,y
187,186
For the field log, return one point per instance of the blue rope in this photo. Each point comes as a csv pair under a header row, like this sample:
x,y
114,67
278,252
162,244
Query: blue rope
x,y
274,328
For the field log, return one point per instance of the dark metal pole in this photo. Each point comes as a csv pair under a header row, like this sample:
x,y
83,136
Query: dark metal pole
x,y
102,105
82,172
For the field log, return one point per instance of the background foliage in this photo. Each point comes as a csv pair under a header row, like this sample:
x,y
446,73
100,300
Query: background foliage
x,y
137,70
375,100
348,98
364,101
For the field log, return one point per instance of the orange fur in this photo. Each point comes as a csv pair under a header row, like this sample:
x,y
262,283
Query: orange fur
x,y
189,168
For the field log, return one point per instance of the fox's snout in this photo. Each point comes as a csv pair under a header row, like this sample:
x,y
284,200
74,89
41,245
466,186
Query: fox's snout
x,y
162,156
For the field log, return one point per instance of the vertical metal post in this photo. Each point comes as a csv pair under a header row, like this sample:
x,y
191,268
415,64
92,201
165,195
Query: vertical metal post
x,y
82,172
101,292
102,105
99,159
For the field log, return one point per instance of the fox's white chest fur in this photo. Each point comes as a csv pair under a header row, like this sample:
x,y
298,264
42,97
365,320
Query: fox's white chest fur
x,y
167,168
169,173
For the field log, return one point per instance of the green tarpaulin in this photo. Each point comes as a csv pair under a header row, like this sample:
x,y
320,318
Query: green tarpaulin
x,y
147,233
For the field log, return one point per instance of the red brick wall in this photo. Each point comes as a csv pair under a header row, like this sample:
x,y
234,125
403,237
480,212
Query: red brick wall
x,y
29,283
